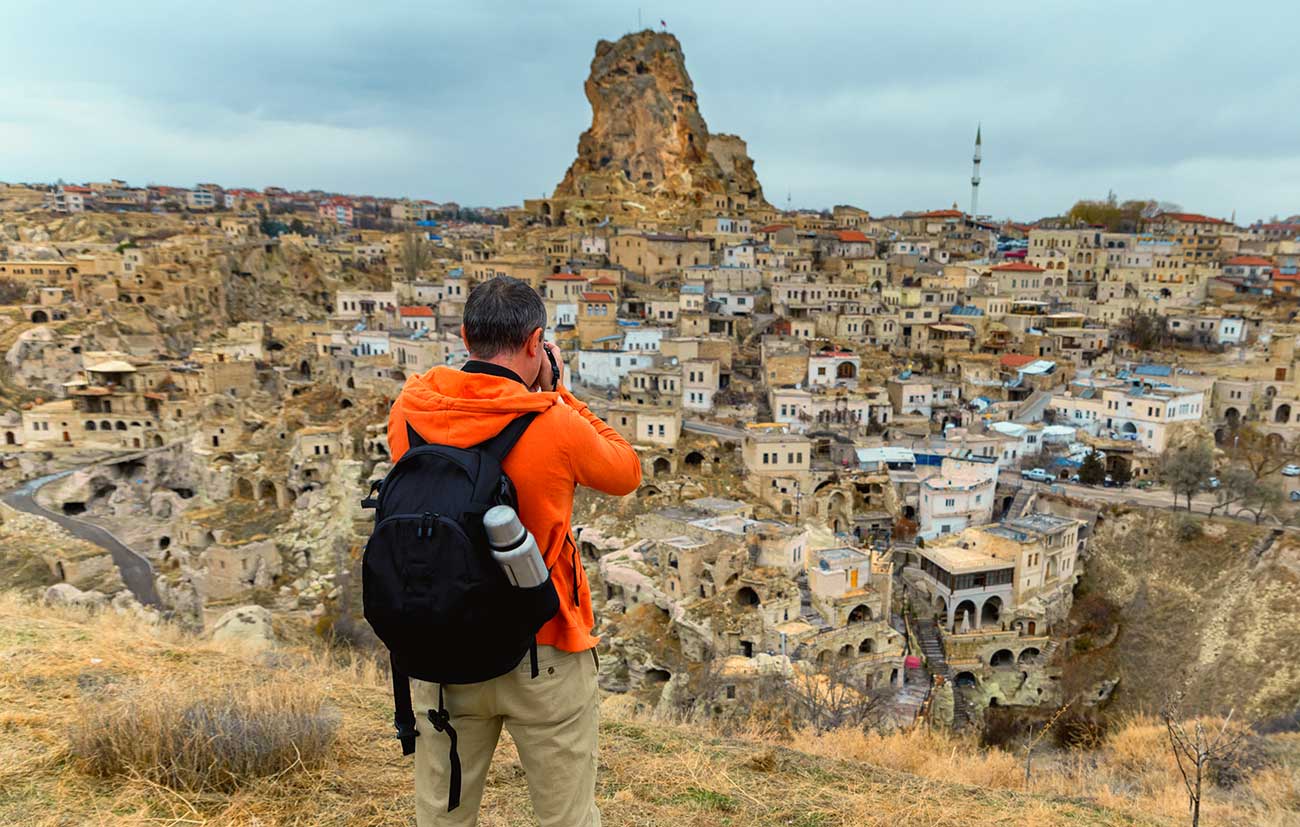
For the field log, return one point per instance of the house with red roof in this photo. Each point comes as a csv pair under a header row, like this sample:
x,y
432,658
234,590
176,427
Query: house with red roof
x,y
564,287
597,320
1188,223
1252,271
1019,278
338,210
1286,283
851,244
416,316
71,199
776,234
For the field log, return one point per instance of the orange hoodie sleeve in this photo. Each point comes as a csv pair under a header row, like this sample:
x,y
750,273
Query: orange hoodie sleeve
x,y
599,457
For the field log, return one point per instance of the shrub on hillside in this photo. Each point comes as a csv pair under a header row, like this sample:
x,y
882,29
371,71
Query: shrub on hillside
x,y
1002,727
1188,529
1080,729
205,738
1096,613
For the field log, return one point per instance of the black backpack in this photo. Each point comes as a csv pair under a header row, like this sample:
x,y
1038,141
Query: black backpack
x,y
430,587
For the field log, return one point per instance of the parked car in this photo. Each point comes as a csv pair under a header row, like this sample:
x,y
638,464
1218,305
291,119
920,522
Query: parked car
x,y
1037,475
1143,484
1291,471
1295,496
1212,483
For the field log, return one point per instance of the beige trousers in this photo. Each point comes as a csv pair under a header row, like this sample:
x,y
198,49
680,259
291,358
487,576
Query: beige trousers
x,y
553,721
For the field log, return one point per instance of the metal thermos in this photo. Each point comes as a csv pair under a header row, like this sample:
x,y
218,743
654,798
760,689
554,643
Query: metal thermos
x,y
514,548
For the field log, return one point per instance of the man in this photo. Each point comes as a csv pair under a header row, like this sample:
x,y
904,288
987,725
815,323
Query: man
x,y
552,718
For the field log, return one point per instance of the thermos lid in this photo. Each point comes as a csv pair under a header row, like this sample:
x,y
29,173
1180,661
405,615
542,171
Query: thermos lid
x,y
502,526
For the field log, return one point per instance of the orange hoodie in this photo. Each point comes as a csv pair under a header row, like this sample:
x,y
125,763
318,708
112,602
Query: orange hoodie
x,y
565,445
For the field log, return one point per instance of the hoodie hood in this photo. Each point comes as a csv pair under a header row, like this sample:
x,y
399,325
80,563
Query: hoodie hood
x,y
450,407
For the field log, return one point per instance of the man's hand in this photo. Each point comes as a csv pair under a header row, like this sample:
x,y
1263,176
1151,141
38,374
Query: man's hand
x,y
548,378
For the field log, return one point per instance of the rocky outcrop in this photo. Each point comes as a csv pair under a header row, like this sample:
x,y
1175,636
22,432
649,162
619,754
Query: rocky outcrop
x,y
247,625
66,594
647,136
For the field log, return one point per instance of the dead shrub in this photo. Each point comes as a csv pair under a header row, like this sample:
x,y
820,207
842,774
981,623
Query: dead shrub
x,y
1096,614
205,738
1080,729
1188,529
1003,727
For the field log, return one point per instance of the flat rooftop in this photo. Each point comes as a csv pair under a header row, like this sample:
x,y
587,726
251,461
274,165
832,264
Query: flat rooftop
x,y
958,560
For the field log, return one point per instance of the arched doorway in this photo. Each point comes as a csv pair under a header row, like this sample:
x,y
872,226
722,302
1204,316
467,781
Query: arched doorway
x,y
1232,417
1002,659
1282,414
991,611
866,647
1029,656
244,488
966,608
846,370
660,467
746,596
694,460
266,492
964,680
40,317
860,613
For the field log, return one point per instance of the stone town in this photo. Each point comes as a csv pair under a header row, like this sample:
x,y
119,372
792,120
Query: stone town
x,y
874,446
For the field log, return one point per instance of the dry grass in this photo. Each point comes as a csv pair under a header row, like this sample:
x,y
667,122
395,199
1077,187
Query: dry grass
x,y
205,738
1133,772
60,665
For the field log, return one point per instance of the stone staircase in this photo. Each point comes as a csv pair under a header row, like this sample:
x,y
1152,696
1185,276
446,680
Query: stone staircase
x,y
1020,504
927,634
960,709
1031,410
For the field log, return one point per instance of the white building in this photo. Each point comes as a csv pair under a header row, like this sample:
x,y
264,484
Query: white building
x,y
833,367
960,495
606,368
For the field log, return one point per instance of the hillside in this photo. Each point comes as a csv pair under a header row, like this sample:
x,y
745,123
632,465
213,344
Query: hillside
x,y
64,670
1205,606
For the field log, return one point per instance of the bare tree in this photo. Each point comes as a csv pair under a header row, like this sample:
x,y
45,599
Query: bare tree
x,y
1186,470
415,254
1196,749
1032,743
1264,454
832,696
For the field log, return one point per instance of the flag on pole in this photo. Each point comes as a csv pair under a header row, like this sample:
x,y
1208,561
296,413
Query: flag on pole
x,y
662,23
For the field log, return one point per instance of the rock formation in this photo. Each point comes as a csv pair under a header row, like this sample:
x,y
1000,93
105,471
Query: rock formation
x,y
647,136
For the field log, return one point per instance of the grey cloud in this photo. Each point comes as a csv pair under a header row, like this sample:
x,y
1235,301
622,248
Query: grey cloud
x,y
482,102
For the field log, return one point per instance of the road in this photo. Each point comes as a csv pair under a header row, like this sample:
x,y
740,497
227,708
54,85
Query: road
x,y
136,571
1153,498
712,429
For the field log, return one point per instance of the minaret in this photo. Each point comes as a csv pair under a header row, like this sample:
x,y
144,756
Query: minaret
x,y
975,178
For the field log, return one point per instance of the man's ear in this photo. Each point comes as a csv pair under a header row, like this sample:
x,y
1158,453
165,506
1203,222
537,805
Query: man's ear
x,y
534,343
462,337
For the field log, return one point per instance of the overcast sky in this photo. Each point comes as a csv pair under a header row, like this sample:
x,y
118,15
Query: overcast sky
x,y
869,103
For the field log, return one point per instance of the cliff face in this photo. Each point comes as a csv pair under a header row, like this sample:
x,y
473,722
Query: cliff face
x,y
647,136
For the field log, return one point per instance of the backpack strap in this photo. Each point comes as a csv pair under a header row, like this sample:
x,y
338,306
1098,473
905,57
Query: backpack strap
x,y
413,438
403,713
498,447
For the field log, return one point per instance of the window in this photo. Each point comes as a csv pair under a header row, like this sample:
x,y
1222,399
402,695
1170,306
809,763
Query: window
x,y
949,503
